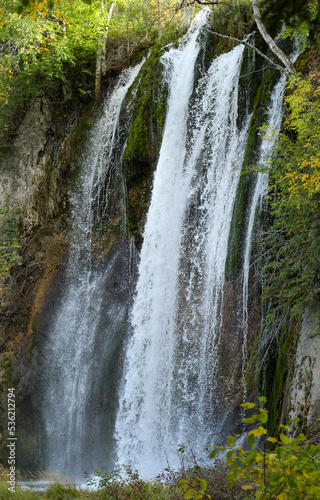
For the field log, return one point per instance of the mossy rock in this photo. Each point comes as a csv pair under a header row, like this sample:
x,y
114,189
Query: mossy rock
x,y
274,373
149,95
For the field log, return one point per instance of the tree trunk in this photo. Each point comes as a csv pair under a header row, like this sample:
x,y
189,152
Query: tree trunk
x,y
271,43
100,55
128,38
159,18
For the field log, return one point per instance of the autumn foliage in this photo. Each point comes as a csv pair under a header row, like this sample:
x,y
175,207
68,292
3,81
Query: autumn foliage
x,y
292,272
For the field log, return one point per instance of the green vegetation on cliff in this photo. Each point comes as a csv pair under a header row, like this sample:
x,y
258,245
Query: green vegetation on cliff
x,y
9,246
291,243
293,268
54,47
149,94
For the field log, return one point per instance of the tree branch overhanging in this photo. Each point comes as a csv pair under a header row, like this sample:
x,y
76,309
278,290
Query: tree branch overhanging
x,y
270,61
288,69
271,43
200,2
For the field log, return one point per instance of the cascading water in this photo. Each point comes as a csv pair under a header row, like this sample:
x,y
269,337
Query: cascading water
x,y
81,356
168,392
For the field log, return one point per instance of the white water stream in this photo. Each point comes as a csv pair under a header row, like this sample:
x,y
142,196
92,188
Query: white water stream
x,y
71,399
168,390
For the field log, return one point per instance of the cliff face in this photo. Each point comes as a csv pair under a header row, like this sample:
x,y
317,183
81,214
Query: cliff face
x,y
302,396
36,171
33,173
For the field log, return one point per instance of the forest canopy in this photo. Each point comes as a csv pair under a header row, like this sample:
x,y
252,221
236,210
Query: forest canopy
x,y
46,44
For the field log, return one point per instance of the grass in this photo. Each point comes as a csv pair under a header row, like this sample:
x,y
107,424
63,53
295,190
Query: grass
x,y
125,484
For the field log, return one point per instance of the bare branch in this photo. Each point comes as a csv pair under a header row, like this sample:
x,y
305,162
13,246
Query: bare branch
x,y
271,43
270,61
192,2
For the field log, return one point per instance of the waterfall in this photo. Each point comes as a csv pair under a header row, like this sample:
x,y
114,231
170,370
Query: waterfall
x,y
132,385
168,390
79,353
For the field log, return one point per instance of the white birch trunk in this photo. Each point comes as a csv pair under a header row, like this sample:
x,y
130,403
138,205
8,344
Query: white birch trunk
x,y
100,55
271,43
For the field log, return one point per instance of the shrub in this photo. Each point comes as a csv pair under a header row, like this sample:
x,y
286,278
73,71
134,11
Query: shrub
x,y
290,470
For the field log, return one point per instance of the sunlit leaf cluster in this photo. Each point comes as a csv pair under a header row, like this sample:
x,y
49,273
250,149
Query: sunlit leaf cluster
x,y
37,49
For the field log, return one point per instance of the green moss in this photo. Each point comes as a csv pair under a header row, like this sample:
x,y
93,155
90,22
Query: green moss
x,y
7,368
34,324
148,117
32,344
275,370
149,95
252,374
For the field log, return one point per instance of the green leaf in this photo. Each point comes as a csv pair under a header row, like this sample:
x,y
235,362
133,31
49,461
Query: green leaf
x,y
203,484
250,420
248,406
285,439
258,432
292,483
295,421
230,453
272,440
190,493
263,418
251,458
213,453
231,440
251,440
285,427
302,437
262,399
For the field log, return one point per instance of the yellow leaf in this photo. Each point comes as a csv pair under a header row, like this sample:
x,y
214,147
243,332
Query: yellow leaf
x,y
190,493
258,432
247,487
272,440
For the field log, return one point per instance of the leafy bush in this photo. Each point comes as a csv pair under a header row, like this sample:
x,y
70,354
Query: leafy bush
x,y
213,481
290,470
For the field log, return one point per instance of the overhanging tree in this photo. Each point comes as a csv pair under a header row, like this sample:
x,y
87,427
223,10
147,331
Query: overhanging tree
x,y
288,69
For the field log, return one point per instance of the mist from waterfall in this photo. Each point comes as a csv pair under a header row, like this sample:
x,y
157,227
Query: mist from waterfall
x,y
88,319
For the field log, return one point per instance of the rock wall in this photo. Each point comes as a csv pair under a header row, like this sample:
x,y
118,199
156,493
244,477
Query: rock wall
x,y
303,396
36,171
